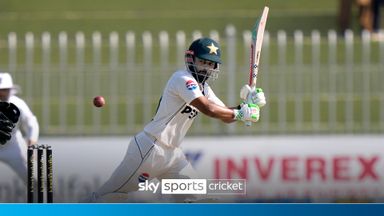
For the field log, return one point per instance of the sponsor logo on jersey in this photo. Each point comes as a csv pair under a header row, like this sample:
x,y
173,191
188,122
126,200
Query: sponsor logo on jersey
x,y
191,85
143,177
190,111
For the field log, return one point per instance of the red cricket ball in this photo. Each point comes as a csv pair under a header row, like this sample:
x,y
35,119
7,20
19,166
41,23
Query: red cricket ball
x,y
98,101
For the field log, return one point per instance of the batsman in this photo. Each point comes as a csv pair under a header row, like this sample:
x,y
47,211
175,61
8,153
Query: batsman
x,y
155,152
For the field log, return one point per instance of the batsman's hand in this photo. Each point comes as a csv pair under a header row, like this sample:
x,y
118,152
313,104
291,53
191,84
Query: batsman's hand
x,y
9,116
253,95
247,112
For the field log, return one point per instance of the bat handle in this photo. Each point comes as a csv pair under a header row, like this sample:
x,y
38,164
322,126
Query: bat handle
x,y
249,100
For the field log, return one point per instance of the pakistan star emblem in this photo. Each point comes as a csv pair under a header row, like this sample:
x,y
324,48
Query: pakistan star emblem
x,y
213,49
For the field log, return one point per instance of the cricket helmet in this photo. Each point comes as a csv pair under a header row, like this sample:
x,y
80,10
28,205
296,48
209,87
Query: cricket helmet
x,y
206,49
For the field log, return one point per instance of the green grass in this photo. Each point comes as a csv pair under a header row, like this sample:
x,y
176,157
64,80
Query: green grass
x,y
121,16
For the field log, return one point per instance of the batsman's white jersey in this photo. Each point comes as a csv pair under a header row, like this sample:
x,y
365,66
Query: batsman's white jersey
x,y
14,152
175,115
155,152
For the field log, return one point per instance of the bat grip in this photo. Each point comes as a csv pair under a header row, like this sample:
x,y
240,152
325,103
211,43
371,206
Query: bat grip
x,y
249,100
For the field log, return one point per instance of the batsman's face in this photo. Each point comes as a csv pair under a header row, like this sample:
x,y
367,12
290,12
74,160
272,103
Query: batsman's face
x,y
204,67
4,94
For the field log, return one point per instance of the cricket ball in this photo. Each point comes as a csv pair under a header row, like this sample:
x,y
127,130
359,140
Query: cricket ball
x,y
98,101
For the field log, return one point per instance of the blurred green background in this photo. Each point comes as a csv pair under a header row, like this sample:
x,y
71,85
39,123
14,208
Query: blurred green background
x,y
72,81
21,16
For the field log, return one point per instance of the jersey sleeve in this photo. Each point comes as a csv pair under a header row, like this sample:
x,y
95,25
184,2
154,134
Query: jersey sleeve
x,y
186,87
212,97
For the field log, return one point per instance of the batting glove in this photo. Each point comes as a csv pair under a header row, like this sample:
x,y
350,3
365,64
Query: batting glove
x,y
253,95
247,112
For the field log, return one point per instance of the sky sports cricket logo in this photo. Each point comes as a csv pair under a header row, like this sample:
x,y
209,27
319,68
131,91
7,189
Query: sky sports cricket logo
x,y
196,186
191,85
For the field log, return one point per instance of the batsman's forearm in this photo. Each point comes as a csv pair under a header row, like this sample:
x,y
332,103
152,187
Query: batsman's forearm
x,y
223,113
213,110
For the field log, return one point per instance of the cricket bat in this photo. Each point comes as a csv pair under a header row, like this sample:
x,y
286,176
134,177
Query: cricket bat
x,y
256,44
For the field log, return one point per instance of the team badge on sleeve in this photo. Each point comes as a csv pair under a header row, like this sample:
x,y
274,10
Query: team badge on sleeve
x,y
143,177
191,85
